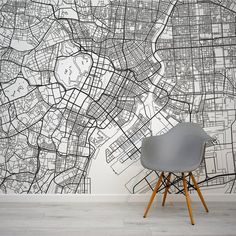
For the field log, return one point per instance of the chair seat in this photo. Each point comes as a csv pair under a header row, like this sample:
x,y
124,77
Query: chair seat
x,y
175,169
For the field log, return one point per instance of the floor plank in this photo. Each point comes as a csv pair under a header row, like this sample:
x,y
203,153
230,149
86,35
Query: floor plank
x,y
114,219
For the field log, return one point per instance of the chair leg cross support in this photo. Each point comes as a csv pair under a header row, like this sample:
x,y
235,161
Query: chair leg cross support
x,y
168,183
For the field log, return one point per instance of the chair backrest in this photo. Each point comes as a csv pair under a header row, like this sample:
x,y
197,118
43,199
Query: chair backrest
x,y
183,145
188,128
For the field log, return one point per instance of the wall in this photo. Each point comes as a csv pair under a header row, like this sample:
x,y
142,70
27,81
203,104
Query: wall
x,y
83,82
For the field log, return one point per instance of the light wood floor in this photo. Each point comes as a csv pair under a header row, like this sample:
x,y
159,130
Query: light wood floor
x,y
85,219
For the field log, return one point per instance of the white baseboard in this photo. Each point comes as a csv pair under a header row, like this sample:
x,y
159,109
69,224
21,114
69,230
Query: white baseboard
x,y
109,197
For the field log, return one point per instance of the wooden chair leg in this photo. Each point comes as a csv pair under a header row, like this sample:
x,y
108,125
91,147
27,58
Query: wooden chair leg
x,y
188,199
166,189
198,191
153,194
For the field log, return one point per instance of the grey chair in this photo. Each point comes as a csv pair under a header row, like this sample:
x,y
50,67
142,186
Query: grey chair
x,y
179,150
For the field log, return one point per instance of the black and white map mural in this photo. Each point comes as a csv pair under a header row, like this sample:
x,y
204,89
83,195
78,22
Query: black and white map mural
x,y
82,82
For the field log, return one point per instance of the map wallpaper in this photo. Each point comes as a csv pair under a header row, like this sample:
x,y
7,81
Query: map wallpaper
x,y
83,82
